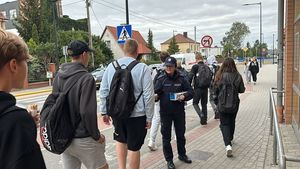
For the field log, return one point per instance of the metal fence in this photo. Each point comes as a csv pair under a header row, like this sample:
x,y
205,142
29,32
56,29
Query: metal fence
x,y
277,141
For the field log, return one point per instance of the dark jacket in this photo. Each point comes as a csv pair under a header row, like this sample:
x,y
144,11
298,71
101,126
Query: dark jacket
x,y
254,67
184,73
165,85
82,98
227,77
18,146
194,72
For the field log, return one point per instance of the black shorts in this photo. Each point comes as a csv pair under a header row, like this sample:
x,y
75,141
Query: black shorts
x,y
131,131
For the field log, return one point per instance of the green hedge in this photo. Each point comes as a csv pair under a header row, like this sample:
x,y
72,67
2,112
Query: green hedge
x,y
150,62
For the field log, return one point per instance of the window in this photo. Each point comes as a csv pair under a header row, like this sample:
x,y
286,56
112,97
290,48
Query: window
x,y
13,14
108,44
4,13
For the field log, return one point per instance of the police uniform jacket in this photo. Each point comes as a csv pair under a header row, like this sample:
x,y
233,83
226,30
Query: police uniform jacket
x,y
167,84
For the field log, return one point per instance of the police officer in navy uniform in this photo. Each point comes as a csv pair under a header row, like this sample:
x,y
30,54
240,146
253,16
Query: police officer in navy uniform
x,y
172,89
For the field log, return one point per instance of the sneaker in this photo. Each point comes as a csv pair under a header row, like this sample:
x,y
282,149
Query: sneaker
x,y
152,146
229,151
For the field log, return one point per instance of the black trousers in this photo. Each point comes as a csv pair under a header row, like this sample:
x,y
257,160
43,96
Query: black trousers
x,y
201,95
254,77
227,126
166,130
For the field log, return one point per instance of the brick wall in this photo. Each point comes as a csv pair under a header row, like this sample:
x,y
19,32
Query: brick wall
x,y
288,59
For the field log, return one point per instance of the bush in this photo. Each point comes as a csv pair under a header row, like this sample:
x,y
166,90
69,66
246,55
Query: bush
x,y
150,62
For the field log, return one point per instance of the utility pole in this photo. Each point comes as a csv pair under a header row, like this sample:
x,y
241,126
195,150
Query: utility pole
x,y
127,12
88,4
273,49
54,12
260,32
195,29
280,60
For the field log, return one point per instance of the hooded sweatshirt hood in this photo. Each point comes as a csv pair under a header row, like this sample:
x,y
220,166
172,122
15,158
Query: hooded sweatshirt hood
x,y
6,100
69,69
211,60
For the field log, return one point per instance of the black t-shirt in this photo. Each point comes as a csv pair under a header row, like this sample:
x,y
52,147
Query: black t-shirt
x,y
18,146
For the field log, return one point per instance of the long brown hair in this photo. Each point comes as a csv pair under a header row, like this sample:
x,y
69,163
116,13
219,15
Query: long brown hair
x,y
227,66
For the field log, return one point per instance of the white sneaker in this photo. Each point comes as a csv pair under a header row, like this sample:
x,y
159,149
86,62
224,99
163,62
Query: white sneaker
x,y
152,146
229,151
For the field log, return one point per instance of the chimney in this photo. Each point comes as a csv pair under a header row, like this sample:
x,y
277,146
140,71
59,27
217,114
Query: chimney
x,y
185,34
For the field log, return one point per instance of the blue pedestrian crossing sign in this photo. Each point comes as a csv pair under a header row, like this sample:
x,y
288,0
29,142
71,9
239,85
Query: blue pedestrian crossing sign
x,y
124,32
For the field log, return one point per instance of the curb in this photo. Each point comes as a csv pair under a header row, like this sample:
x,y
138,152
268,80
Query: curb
x,y
31,93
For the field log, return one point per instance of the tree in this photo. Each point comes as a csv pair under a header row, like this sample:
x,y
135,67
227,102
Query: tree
x,y
30,14
42,54
150,45
234,37
35,34
173,47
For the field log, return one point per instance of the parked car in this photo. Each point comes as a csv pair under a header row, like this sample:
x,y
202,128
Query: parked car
x,y
98,74
187,60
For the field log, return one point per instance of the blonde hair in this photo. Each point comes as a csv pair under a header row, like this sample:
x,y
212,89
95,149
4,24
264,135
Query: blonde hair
x,y
131,46
198,56
12,47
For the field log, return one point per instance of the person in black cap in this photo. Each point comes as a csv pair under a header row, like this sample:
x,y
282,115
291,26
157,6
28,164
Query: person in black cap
x,y
88,145
173,90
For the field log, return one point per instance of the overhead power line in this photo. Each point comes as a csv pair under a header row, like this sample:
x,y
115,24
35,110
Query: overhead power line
x,y
122,10
97,18
71,3
139,13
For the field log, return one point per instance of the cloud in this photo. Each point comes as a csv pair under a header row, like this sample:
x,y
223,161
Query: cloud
x,y
213,17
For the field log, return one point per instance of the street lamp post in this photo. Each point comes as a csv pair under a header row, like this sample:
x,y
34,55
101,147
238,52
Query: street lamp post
x,y
260,27
273,48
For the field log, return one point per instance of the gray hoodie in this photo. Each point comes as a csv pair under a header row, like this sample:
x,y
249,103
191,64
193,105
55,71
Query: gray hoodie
x,y
81,98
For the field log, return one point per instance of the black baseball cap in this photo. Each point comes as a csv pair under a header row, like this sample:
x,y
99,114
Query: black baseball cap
x,y
171,61
77,47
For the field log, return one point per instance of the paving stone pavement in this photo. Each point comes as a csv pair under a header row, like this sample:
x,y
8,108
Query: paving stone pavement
x,y
252,145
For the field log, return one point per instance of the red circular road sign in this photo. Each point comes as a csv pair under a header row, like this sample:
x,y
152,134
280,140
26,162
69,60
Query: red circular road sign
x,y
207,41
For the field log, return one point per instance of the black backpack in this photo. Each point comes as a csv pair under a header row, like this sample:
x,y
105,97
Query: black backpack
x,y
203,77
159,73
228,98
57,128
121,101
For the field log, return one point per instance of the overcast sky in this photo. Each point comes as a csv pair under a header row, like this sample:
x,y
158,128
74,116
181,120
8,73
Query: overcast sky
x,y
211,17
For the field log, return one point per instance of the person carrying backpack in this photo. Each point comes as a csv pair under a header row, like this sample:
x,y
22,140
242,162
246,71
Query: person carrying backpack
x,y
156,116
127,96
228,84
201,76
18,146
78,84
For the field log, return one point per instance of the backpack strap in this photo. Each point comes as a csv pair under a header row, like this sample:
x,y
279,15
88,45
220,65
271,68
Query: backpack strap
x,y
65,90
116,65
138,98
10,109
132,64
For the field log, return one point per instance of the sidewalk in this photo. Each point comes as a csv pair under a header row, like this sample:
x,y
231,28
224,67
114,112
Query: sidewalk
x,y
205,144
